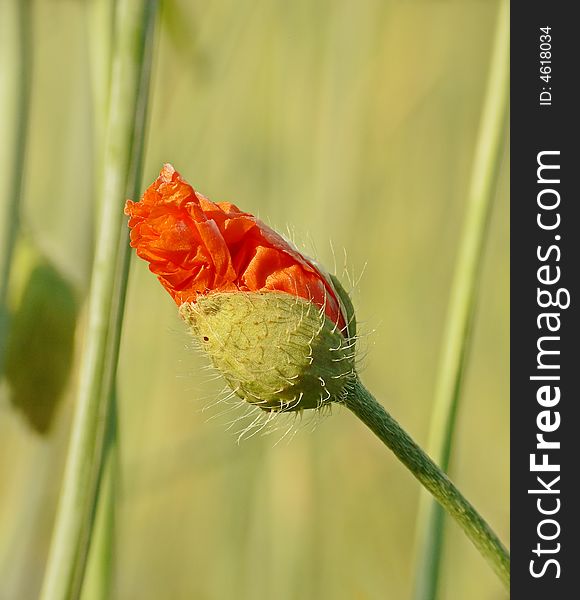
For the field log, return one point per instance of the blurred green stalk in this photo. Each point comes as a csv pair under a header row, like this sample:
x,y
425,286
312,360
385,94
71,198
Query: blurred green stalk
x,y
131,66
14,103
462,303
99,574
100,22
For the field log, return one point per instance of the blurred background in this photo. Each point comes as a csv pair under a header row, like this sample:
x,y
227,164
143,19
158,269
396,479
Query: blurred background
x,y
350,125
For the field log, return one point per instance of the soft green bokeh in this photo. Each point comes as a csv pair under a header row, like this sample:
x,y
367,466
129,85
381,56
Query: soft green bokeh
x,y
352,125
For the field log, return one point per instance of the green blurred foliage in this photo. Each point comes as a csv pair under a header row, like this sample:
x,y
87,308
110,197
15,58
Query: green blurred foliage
x,y
350,122
40,345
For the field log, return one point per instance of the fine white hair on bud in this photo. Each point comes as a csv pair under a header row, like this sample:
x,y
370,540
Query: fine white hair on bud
x,y
278,352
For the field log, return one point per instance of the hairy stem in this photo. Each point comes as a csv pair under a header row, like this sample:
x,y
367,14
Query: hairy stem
x,y
361,402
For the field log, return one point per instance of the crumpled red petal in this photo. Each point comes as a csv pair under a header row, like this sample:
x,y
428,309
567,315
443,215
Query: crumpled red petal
x,y
197,247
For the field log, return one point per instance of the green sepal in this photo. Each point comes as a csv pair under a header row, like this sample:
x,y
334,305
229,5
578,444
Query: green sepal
x,y
346,306
275,350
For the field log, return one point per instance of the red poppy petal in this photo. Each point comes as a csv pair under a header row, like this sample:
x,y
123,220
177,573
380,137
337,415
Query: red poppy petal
x,y
196,247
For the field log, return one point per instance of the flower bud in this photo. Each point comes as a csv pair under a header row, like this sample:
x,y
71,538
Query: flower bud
x,y
276,351
277,326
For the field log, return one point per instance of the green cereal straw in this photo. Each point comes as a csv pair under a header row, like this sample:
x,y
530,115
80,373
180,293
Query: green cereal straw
x,y
462,302
123,150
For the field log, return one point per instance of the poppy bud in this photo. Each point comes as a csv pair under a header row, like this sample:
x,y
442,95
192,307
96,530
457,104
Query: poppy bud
x,y
279,329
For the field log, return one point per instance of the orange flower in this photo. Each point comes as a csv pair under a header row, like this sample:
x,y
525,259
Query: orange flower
x,y
196,247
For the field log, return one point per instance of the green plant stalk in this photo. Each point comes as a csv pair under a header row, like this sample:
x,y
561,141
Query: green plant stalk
x,y
15,72
361,402
98,580
462,303
15,68
101,557
100,22
100,566
124,140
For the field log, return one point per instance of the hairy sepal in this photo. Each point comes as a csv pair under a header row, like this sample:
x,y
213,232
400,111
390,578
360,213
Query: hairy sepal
x,y
275,350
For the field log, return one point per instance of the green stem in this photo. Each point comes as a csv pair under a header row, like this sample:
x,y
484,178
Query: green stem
x,y
100,23
14,105
100,572
369,411
124,140
461,309
99,575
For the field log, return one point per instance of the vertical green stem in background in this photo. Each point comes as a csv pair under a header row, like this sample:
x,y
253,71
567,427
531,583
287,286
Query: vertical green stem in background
x,y
100,23
98,581
14,104
370,412
124,140
99,584
462,302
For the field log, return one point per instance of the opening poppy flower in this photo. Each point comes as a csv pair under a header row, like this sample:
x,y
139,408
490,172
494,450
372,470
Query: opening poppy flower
x,y
197,247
